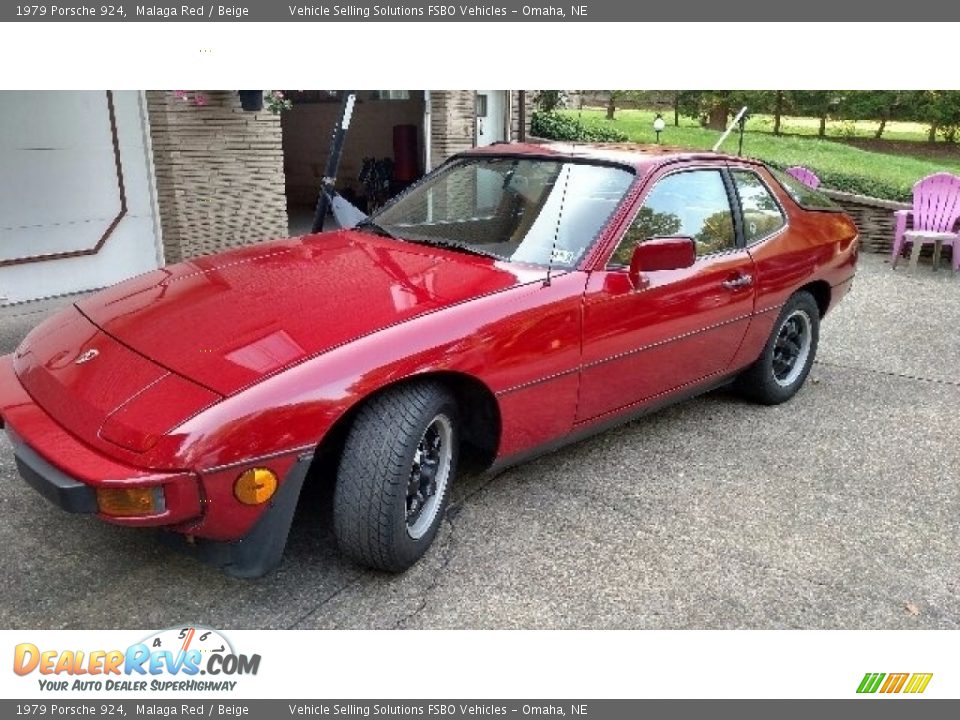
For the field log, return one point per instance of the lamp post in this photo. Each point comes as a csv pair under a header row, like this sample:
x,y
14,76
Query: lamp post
x,y
658,126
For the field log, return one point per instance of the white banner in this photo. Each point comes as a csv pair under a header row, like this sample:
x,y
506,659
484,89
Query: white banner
x,y
490,664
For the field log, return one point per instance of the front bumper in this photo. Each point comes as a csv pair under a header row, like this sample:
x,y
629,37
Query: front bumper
x,y
60,489
68,472
243,540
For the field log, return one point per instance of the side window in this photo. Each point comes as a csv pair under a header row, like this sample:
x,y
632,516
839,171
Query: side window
x,y
692,203
761,214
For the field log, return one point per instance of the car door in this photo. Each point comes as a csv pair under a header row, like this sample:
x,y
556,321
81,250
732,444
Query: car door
x,y
679,327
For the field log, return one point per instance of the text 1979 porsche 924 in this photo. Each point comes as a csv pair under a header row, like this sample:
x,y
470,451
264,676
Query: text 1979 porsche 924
x,y
519,297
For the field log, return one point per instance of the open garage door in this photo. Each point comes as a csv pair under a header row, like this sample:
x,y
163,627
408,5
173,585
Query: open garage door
x,y
382,153
76,192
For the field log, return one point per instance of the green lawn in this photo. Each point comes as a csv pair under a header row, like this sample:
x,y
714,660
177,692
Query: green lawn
x,y
839,166
791,125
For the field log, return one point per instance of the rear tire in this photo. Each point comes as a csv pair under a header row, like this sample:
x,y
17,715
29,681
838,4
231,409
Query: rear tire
x,y
394,476
785,362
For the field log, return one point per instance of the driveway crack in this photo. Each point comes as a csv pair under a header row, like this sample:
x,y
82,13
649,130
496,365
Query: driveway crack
x,y
888,373
332,596
446,554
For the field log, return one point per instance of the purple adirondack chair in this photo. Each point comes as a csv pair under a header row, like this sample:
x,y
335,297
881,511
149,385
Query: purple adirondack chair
x,y
805,175
936,209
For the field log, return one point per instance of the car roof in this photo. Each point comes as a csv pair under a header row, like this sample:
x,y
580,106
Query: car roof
x,y
639,156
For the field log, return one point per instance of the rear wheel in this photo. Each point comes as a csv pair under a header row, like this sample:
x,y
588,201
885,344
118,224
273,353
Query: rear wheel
x,y
394,475
782,368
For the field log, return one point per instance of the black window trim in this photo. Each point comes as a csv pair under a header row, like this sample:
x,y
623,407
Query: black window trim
x,y
776,200
733,197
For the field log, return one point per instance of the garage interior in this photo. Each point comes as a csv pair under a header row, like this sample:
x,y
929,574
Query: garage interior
x,y
385,124
387,146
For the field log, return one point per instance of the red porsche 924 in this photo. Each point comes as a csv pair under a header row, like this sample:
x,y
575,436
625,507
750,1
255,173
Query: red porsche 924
x,y
518,298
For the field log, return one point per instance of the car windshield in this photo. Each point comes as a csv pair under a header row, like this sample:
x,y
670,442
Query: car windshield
x,y
518,209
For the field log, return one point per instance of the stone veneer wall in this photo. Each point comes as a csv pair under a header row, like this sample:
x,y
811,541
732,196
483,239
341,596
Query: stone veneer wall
x,y
454,123
874,218
219,173
531,108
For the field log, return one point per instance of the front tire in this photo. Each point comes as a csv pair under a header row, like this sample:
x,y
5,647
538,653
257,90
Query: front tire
x,y
394,476
782,368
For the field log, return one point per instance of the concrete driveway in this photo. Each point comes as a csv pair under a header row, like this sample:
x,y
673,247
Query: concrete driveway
x,y
840,509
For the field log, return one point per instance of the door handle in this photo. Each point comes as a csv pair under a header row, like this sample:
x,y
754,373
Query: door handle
x,y
742,280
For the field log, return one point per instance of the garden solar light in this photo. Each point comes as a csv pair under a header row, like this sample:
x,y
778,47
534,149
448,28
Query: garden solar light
x,y
658,126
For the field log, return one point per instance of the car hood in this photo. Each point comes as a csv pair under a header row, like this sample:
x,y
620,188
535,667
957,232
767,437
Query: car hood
x,y
226,321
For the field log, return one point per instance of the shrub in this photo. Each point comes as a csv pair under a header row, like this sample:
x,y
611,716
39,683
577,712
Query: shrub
x,y
555,126
847,129
871,187
859,184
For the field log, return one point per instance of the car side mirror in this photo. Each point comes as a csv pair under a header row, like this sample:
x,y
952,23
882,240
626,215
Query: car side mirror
x,y
661,253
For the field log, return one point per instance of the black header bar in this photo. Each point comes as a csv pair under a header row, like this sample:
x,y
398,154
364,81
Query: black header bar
x,y
731,11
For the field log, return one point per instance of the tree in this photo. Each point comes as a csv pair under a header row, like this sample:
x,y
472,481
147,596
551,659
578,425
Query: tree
x,y
636,97
882,105
779,107
757,102
816,103
612,99
686,102
714,107
711,107
550,100
939,108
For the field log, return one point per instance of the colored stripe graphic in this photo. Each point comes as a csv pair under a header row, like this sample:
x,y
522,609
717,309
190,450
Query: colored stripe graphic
x,y
894,682
918,683
870,682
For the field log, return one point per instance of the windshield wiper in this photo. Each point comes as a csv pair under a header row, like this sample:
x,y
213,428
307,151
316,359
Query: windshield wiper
x,y
462,247
375,227
379,229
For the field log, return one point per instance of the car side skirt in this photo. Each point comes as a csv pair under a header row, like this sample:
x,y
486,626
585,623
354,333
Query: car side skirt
x,y
595,426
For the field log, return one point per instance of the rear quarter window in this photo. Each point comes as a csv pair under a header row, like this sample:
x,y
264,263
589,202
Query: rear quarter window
x,y
761,213
803,195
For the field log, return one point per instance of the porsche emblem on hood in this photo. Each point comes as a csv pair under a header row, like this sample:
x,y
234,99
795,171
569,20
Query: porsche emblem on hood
x,y
86,356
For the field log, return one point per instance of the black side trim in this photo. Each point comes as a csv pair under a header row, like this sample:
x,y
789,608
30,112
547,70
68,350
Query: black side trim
x,y
616,418
538,381
261,550
57,487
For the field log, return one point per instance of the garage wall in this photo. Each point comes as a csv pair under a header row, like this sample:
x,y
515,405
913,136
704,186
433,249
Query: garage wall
x,y
219,173
453,123
529,97
76,199
307,131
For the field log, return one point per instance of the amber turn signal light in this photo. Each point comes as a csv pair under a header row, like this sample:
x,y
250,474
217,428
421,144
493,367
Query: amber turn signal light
x,y
255,486
130,502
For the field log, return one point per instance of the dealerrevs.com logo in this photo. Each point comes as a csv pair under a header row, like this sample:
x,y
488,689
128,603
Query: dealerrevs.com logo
x,y
177,659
